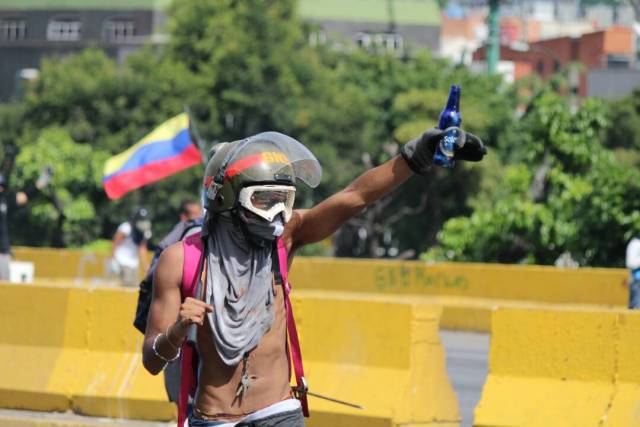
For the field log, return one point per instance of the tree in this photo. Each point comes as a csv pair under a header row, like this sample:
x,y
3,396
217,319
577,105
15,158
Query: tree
x,y
93,109
65,203
245,67
588,205
405,96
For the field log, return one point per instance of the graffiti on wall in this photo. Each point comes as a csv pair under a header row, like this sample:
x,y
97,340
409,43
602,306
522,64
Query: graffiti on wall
x,y
416,278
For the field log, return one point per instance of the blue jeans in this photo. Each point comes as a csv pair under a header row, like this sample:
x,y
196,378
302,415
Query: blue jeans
x,y
634,294
195,422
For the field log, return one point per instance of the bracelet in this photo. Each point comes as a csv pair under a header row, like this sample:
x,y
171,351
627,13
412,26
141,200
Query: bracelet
x,y
175,347
164,359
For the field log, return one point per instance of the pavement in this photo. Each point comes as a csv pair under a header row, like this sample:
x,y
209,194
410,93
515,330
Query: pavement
x,y
19,418
467,356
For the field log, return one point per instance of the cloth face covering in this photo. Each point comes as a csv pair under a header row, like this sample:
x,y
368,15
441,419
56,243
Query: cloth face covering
x,y
262,232
240,289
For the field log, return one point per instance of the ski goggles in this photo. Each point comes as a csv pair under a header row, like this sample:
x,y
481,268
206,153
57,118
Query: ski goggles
x,y
267,201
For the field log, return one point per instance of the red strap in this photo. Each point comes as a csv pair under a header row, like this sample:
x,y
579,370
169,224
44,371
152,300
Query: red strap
x,y
192,252
187,382
296,354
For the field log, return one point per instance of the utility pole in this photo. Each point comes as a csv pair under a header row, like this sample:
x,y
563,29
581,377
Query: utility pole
x,y
493,47
392,16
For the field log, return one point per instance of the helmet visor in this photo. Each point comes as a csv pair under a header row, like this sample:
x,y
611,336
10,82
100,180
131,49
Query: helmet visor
x,y
267,201
277,154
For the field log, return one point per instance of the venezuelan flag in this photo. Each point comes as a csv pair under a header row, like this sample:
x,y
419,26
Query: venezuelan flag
x,y
166,150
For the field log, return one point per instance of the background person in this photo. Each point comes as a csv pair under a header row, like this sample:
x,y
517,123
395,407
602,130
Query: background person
x,y
129,247
5,247
633,264
9,200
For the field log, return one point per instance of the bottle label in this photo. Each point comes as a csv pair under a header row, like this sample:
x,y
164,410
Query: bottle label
x,y
448,144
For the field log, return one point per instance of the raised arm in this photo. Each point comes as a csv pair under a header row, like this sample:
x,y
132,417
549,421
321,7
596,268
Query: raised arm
x,y
319,222
322,220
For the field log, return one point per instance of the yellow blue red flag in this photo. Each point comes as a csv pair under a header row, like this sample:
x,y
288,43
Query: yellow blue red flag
x,y
166,150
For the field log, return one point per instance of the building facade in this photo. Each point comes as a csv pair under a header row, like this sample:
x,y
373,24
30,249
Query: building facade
x,y
29,35
610,49
31,30
397,26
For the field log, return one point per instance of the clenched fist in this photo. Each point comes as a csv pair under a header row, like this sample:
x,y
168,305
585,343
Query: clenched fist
x,y
418,153
192,311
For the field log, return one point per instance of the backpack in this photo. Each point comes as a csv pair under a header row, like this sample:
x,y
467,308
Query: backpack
x,y
180,231
191,272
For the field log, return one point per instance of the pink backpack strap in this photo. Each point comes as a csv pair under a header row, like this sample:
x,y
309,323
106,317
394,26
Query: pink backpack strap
x,y
193,247
295,357
192,253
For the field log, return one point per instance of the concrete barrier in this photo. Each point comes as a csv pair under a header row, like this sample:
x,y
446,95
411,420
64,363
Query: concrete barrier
x,y
64,266
625,405
382,353
467,292
562,368
73,348
601,286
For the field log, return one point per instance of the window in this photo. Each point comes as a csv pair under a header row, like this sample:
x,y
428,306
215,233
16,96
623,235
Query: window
x,y
618,61
540,66
363,40
390,42
317,38
13,30
66,30
119,30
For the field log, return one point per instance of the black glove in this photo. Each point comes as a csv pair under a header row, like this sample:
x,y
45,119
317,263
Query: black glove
x,y
418,153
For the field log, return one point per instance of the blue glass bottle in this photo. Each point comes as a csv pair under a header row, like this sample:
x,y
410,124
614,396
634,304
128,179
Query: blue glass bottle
x,y
450,116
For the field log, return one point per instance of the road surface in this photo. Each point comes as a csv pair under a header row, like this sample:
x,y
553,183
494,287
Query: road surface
x,y
467,354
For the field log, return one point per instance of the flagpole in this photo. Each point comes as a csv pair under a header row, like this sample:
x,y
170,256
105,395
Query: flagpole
x,y
199,142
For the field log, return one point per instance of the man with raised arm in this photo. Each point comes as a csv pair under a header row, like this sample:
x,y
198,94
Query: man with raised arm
x,y
240,309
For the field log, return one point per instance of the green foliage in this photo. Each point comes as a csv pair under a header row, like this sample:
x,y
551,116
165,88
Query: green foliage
x,y
244,67
243,56
589,206
71,186
624,116
554,181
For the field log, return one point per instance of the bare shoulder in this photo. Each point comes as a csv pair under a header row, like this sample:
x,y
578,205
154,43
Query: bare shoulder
x,y
169,270
291,233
